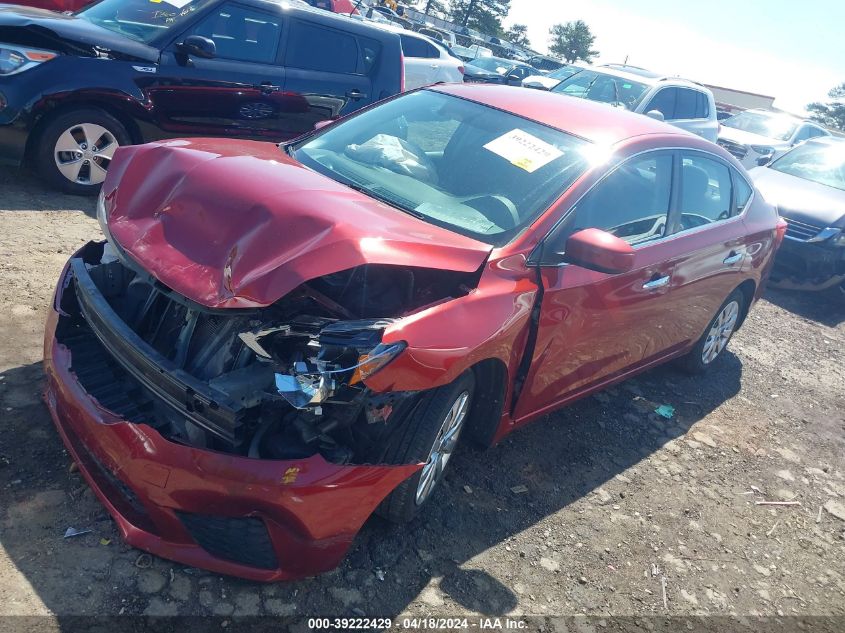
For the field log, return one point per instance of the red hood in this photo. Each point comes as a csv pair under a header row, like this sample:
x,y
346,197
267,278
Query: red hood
x,y
235,224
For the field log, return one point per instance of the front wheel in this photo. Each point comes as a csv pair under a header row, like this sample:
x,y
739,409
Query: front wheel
x,y
431,436
76,148
715,338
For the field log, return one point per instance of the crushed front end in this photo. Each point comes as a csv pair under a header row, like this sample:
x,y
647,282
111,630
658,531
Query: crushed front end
x,y
244,441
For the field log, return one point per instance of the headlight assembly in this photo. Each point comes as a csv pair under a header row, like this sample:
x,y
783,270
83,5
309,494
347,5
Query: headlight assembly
x,y
15,59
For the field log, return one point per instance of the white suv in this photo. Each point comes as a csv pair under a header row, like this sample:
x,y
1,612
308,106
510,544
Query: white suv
x,y
756,137
682,103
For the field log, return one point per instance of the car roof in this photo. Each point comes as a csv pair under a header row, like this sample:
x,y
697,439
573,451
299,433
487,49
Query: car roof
x,y
590,120
644,76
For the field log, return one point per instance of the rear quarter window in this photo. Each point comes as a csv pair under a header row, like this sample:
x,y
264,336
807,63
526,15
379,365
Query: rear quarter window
x,y
314,47
416,47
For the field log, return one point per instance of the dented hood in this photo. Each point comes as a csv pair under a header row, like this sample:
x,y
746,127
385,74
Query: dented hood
x,y
237,224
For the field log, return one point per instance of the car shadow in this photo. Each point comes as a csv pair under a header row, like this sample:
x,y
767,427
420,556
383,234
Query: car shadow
x,y
486,498
23,190
826,307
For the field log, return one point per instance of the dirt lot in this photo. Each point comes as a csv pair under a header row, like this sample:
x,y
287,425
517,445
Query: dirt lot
x,y
619,501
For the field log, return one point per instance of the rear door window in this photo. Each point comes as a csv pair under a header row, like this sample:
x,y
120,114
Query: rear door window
x,y
314,47
242,34
687,105
416,47
706,191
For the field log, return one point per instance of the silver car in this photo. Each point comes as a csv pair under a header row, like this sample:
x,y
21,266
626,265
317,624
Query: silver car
x,y
682,103
759,136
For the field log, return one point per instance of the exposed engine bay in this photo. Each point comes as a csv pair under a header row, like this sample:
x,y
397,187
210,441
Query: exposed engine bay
x,y
282,382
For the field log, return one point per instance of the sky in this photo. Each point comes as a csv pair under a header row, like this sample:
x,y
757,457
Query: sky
x,y
794,51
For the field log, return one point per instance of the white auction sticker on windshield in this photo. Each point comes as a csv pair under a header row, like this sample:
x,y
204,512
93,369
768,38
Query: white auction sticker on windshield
x,y
524,150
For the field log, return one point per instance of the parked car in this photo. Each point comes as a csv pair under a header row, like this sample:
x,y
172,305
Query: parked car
x,y
549,81
496,70
755,135
130,71
426,61
682,103
274,342
807,185
469,53
544,63
347,7
447,38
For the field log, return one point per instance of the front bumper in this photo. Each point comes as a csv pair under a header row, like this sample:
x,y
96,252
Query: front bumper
x,y
815,265
259,519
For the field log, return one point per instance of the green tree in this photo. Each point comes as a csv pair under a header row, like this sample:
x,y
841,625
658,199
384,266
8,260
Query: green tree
x,y
831,113
482,15
572,41
518,34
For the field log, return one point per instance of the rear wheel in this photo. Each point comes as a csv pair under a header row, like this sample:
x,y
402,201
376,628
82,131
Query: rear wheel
x,y
717,335
76,148
431,436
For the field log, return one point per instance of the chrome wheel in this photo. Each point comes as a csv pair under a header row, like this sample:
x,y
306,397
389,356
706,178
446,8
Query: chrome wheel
x,y
444,445
83,153
720,332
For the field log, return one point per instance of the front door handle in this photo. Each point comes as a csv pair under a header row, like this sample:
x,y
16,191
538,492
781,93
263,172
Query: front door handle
x,y
656,283
733,258
435,66
356,94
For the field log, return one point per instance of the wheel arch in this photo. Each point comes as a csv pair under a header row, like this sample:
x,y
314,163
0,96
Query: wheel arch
x,y
491,382
120,114
748,288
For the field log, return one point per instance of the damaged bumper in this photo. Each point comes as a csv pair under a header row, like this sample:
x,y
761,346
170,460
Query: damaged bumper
x,y
262,519
811,265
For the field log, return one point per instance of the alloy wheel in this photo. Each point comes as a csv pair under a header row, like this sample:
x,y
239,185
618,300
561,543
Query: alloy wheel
x,y
720,332
443,447
83,153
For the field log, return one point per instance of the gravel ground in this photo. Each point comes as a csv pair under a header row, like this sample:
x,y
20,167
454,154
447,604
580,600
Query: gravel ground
x,y
618,503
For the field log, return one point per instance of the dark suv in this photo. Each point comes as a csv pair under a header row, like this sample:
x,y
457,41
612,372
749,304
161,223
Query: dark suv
x,y
74,88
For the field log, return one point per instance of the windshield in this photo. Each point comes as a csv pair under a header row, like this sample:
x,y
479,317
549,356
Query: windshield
x,y
142,20
769,125
821,163
594,86
461,165
493,64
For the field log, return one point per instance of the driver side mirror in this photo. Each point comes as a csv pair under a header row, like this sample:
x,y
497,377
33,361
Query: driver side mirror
x,y
198,46
319,125
514,78
598,250
656,114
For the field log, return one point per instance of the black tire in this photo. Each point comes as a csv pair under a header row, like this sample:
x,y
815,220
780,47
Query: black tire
x,y
89,179
693,362
421,430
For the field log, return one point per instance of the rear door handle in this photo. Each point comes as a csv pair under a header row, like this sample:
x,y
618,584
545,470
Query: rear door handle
x,y
435,66
356,94
266,87
733,258
656,283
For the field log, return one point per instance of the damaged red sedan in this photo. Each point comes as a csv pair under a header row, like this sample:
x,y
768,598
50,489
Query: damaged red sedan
x,y
276,341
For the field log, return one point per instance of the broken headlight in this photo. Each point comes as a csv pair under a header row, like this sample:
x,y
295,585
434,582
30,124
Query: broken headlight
x,y
319,360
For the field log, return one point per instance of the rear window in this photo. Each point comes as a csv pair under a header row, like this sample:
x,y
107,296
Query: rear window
x,y
313,47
